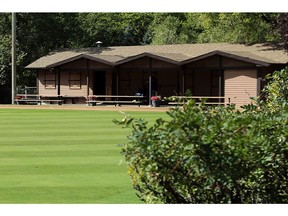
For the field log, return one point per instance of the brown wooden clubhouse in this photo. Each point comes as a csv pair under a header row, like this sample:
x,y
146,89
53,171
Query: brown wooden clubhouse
x,y
229,73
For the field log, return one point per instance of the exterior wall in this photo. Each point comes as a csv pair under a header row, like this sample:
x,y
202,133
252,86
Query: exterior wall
x,y
41,85
157,64
213,61
77,66
131,81
144,63
218,61
124,82
229,62
138,63
108,83
81,64
67,90
240,85
201,77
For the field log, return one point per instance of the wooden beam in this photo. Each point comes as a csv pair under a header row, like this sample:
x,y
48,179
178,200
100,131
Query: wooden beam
x,y
58,82
259,79
150,80
183,71
88,76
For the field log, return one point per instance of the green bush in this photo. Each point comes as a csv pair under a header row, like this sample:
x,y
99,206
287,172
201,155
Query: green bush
x,y
211,155
276,92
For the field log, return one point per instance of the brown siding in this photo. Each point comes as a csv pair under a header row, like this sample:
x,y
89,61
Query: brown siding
x,y
65,88
162,64
97,65
124,82
108,84
81,64
130,81
240,85
229,62
77,64
41,85
138,63
213,61
145,63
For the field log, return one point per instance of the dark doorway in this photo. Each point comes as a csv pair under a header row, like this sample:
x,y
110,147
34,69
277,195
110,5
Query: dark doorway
x,y
99,83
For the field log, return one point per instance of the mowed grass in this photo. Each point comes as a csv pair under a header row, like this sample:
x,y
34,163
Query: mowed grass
x,y
64,156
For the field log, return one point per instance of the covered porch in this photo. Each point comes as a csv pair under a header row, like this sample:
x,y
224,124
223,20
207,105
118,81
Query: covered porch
x,y
151,75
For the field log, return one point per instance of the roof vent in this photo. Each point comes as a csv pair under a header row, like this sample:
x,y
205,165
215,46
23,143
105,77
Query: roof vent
x,y
99,43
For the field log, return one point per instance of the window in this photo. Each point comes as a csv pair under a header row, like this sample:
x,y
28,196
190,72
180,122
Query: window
x,y
74,80
50,80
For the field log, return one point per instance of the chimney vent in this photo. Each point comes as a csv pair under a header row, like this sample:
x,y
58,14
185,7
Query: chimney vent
x,y
99,43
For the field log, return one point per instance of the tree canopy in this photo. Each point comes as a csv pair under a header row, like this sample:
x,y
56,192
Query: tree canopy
x,y
39,33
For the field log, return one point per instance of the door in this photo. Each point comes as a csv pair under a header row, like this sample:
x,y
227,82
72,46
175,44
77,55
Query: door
x,y
99,83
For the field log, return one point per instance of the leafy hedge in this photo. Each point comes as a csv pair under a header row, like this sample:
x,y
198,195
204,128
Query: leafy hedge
x,y
211,155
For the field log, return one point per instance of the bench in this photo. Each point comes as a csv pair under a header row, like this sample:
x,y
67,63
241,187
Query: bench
x,y
102,99
116,103
38,101
35,99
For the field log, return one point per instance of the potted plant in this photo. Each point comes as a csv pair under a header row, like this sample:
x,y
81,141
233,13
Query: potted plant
x,y
156,100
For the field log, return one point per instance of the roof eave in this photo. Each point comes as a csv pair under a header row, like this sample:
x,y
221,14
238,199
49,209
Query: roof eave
x,y
147,54
227,54
71,59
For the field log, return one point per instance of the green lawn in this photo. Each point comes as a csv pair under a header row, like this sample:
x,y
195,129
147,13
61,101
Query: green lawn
x,y
64,156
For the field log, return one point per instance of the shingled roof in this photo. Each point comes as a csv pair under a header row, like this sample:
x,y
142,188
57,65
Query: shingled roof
x,y
261,54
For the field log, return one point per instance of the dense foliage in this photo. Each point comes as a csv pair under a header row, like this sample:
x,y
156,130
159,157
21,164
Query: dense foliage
x,y
212,154
276,92
39,33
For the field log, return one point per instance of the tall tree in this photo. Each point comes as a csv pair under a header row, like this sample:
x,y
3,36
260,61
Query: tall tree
x,y
172,28
233,27
39,33
114,28
5,50
281,24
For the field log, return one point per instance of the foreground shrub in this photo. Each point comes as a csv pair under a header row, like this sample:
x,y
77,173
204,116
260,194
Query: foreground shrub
x,y
211,155
276,92
214,154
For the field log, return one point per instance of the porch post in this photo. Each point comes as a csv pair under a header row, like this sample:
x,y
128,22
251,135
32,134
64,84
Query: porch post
x,y
220,81
117,82
259,79
88,77
183,71
150,80
178,85
58,82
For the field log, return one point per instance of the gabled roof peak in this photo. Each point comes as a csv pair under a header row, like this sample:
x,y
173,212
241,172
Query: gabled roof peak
x,y
262,54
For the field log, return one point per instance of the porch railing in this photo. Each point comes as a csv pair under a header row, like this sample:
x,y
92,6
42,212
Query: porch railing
x,y
209,100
